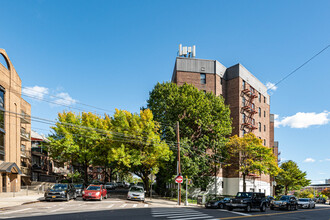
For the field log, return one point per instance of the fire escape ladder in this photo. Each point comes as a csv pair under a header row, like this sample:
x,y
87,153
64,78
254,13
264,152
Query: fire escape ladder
x,y
248,109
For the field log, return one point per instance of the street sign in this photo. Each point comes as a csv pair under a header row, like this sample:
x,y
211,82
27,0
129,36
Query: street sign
x,y
179,179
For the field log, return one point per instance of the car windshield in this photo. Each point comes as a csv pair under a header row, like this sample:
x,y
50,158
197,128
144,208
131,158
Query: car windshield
x,y
109,184
93,188
284,198
244,195
78,186
303,200
60,187
136,189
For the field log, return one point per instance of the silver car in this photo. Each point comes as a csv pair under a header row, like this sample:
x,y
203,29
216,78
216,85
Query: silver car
x,y
306,203
136,193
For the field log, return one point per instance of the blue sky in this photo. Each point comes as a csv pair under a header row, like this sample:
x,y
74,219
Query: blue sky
x,y
110,54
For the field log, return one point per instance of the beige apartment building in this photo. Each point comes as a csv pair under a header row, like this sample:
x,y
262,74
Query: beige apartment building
x,y
250,110
15,128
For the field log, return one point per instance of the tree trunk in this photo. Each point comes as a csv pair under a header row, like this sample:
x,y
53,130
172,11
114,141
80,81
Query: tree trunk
x,y
145,180
244,183
86,173
286,190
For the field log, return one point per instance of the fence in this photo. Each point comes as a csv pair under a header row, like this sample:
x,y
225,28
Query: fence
x,y
24,191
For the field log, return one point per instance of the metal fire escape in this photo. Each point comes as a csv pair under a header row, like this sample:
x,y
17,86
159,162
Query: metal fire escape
x,y
248,109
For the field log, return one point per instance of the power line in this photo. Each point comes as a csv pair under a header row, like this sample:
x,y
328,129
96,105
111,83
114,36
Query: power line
x,y
295,70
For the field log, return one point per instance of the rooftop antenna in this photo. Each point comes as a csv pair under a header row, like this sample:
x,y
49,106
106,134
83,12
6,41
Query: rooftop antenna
x,y
187,51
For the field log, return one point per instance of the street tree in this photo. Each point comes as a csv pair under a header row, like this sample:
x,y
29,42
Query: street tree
x,y
247,155
291,177
76,137
204,122
137,145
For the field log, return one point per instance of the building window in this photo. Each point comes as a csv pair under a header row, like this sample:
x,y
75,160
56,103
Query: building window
x,y
203,78
259,112
2,98
259,126
2,146
252,106
264,113
264,142
253,121
264,99
259,97
243,118
243,101
221,81
264,127
244,84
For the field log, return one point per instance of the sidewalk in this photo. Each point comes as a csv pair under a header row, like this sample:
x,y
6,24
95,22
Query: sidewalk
x,y
6,202
160,202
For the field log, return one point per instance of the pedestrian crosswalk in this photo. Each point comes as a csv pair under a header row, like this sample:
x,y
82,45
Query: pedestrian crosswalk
x,y
179,214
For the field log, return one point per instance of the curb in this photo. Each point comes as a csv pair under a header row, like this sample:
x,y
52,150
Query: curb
x,y
26,203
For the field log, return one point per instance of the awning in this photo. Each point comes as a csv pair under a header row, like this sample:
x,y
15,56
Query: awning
x,y
9,167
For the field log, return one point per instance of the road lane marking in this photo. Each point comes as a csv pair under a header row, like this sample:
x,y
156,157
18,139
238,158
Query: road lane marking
x,y
238,213
177,213
199,217
123,205
271,214
110,206
21,210
190,215
134,206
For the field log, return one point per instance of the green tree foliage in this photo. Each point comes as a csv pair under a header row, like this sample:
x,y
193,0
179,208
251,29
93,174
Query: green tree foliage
x,y
291,177
75,138
204,124
143,154
307,193
252,156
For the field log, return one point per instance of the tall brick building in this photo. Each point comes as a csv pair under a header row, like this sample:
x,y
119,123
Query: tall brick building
x,y
15,128
250,110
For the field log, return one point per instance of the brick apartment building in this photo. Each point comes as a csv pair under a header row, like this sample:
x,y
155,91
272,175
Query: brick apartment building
x,y
250,110
15,128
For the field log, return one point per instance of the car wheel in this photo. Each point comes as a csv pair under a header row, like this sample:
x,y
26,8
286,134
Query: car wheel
x,y
106,196
309,206
101,198
263,208
84,199
75,196
221,206
314,206
296,207
248,208
67,197
271,207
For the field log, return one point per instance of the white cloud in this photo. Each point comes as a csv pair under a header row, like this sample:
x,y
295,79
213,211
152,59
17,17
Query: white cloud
x,y
309,160
328,159
36,91
271,86
64,99
303,119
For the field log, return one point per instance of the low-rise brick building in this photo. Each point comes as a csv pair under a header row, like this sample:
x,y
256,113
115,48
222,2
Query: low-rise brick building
x,y
250,110
15,128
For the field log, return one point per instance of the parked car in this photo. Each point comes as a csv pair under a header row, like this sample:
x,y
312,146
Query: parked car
x,y
217,203
110,186
306,203
285,202
141,184
95,192
79,188
247,201
268,200
120,184
61,191
136,193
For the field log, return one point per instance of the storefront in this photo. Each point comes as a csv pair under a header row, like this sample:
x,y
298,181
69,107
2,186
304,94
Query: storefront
x,y
10,177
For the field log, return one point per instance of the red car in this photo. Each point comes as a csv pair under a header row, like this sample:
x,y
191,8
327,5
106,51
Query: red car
x,y
95,192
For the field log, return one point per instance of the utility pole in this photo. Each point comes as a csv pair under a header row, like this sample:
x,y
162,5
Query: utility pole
x,y
179,165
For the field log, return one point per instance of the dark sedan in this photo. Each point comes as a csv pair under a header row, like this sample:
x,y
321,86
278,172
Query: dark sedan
x,y
285,202
61,191
217,204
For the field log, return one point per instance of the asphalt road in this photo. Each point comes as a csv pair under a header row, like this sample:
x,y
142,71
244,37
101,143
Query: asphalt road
x,y
117,207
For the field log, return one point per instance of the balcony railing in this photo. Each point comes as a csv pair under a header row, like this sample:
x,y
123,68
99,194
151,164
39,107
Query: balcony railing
x,y
25,170
25,118
25,136
26,154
